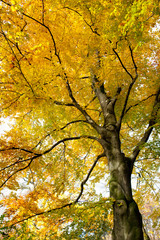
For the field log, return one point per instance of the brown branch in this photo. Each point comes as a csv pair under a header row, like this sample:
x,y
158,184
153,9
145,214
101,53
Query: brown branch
x,y
68,204
88,175
17,148
41,213
125,104
6,3
135,66
17,162
90,26
150,127
69,123
15,100
45,152
85,114
143,100
64,104
69,139
122,64
18,63
19,170
42,24
43,11
130,86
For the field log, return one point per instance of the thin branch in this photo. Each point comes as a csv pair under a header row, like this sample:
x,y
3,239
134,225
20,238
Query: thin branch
x,y
88,118
85,114
68,204
15,100
41,213
135,66
125,104
19,66
64,104
62,128
17,162
19,170
122,64
6,3
88,175
90,26
69,139
43,11
45,152
42,24
148,131
17,148
143,100
148,183
131,84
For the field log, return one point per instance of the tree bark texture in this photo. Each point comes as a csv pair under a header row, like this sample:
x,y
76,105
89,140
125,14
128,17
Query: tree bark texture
x,y
126,215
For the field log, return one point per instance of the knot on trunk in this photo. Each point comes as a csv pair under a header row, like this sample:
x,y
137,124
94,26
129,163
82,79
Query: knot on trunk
x,y
121,207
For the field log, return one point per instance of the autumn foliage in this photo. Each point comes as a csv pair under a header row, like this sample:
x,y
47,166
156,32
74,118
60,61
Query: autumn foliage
x,y
58,59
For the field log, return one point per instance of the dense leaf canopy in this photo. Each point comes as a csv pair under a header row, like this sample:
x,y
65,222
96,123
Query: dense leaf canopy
x,y
51,156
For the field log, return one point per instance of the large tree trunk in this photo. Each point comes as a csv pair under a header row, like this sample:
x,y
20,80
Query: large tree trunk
x,y
127,218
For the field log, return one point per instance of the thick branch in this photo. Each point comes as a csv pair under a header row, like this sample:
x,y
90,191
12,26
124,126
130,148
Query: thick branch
x,y
148,131
68,139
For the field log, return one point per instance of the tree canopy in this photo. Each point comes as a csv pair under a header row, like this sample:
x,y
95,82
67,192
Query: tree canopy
x,y
65,66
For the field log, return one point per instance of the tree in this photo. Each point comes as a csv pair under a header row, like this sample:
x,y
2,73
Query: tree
x,y
80,83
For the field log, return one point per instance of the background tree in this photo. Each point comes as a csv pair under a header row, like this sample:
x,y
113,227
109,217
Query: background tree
x,y
80,84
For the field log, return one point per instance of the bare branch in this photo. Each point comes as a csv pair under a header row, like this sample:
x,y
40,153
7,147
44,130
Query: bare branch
x,y
41,213
64,104
15,163
135,66
21,149
41,154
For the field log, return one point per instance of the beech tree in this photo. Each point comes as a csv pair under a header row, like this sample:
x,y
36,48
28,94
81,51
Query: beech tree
x,y
80,92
